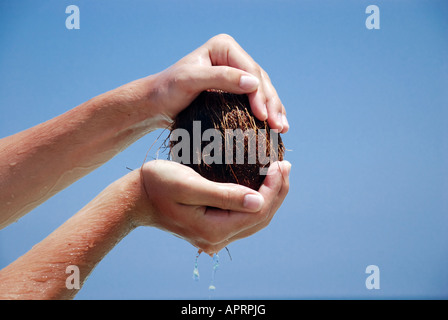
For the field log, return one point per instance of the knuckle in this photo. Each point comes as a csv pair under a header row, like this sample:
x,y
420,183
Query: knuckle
x,y
223,37
150,168
265,75
226,72
271,100
274,102
226,199
228,75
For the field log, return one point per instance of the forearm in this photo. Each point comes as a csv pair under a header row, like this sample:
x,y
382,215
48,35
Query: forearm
x,y
37,163
82,241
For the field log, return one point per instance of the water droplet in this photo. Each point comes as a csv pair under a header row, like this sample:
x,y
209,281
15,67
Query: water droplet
x,y
21,151
215,267
215,261
196,269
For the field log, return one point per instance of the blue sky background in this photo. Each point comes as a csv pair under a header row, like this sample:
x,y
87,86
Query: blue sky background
x,y
368,143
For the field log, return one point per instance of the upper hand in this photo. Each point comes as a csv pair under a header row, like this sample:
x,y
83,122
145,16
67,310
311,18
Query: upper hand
x,y
218,64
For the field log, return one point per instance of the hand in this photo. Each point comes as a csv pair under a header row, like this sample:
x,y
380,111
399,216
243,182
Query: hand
x,y
219,64
207,214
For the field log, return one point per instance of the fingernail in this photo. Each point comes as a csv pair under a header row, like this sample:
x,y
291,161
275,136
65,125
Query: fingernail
x,y
249,83
253,202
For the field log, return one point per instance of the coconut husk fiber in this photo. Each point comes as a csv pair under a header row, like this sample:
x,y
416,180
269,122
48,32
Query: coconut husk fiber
x,y
221,110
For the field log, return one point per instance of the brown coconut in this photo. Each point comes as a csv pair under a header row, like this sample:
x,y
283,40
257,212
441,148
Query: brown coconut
x,y
221,110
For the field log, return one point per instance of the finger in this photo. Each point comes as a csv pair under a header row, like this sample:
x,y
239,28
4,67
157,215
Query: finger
x,y
270,185
258,105
273,103
265,103
273,193
285,120
275,113
224,50
199,191
197,78
224,226
276,185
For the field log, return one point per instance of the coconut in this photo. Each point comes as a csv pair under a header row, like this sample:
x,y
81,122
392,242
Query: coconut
x,y
238,149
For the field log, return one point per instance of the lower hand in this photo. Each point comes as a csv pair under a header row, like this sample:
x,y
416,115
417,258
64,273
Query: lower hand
x,y
207,214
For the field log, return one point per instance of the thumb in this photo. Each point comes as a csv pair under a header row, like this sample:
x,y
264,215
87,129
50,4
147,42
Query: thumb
x,y
226,196
222,78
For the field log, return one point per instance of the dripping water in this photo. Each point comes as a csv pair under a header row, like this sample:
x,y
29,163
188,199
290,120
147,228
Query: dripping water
x,y
215,267
196,269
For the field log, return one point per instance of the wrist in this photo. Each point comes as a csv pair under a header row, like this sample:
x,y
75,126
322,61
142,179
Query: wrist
x,y
130,107
140,98
130,198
